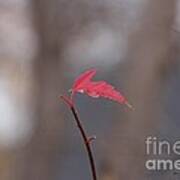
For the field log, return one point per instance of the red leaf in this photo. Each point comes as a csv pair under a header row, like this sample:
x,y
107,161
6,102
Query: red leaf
x,y
83,79
83,84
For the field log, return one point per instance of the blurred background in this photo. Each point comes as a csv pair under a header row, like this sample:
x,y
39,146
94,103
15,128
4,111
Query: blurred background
x,y
45,45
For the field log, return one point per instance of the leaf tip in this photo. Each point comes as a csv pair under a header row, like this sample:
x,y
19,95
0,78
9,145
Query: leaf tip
x,y
129,105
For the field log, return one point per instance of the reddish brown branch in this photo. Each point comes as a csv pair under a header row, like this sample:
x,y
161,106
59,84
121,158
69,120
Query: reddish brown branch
x,y
86,139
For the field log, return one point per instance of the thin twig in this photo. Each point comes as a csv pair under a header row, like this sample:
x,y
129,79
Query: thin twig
x,y
86,139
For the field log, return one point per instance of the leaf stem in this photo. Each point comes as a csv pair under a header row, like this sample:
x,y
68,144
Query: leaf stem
x,y
86,139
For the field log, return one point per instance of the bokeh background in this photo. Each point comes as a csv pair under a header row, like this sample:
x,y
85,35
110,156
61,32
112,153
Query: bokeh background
x,y
45,44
